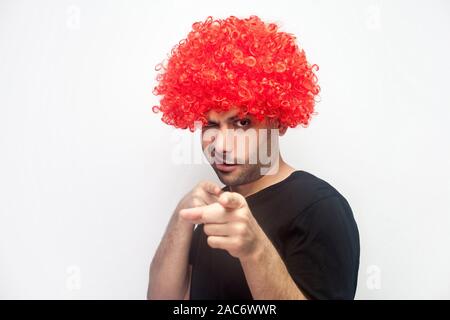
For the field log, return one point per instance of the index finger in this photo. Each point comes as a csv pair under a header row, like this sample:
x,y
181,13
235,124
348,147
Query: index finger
x,y
213,213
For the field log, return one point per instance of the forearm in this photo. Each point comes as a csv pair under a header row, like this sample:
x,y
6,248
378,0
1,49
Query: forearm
x,y
268,277
168,269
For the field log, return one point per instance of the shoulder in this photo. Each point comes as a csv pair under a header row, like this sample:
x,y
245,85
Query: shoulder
x,y
323,209
307,190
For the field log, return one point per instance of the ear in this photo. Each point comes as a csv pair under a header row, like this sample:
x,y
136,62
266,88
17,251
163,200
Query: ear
x,y
274,123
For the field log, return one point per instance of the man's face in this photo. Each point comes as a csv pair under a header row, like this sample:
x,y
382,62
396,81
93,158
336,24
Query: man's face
x,y
240,150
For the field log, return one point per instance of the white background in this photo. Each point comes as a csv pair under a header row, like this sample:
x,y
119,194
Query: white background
x,y
87,177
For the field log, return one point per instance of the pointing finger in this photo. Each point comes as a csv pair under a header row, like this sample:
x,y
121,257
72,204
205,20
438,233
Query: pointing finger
x,y
213,213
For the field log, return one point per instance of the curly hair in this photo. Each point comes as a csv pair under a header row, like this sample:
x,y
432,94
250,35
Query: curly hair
x,y
244,63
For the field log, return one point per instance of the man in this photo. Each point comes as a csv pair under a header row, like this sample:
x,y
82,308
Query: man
x,y
273,232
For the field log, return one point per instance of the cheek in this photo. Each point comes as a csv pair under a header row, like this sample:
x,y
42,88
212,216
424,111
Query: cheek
x,y
245,145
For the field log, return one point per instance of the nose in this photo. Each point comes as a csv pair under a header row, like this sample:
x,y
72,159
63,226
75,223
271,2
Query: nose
x,y
223,142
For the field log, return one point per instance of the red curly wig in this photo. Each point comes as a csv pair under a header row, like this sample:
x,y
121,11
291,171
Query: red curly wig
x,y
244,63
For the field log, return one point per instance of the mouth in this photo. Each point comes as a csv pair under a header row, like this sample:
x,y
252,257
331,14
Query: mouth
x,y
223,167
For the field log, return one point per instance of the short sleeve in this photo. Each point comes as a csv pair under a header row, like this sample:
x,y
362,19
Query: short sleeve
x,y
322,250
194,244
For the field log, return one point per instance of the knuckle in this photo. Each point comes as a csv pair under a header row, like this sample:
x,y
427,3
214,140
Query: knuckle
x,y
207,184
196,201
196,193
242,216
227,193
240,228
201,185
207,228
238,243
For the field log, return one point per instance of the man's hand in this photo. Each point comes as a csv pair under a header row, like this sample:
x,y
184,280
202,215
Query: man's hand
x,y
229,225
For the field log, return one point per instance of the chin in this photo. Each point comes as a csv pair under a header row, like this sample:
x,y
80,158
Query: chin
x,y
241,175
227,178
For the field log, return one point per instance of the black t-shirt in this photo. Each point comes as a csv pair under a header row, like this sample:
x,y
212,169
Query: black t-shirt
x,y
312,227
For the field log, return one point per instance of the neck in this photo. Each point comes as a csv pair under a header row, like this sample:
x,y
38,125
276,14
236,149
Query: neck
x,y
284,170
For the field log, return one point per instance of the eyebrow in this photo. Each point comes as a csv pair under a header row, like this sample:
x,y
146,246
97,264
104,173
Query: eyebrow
x,y
228,119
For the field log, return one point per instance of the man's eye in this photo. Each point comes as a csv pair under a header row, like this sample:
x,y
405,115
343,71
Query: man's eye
x,y
209,125
243,122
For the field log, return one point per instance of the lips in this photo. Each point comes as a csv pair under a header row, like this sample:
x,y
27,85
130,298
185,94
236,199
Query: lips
x,y
226,167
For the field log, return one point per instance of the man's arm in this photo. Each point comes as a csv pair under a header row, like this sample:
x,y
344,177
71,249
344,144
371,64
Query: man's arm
x,y
322,256
169,276
187,296
268,277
